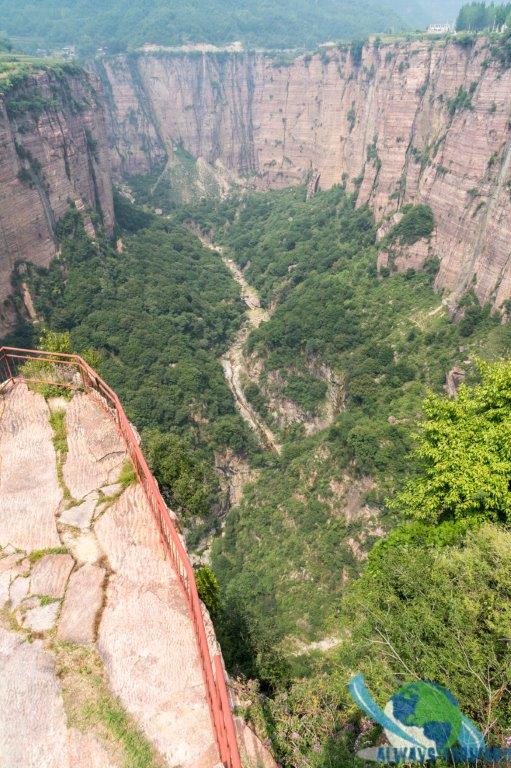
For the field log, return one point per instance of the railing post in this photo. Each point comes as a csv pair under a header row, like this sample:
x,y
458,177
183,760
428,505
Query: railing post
x,y
234,760
5,360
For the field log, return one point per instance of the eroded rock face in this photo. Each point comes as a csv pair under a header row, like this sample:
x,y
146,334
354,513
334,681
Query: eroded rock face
x,y
388,127
50,157
453,381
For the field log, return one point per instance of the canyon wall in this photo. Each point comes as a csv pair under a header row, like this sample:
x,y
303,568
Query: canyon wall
x,y
53,154
410,122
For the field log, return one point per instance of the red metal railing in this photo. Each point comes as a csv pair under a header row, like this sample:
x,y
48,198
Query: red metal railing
x,y
34,366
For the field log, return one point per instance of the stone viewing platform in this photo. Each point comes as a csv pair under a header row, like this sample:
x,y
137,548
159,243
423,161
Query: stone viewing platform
x,y
99,661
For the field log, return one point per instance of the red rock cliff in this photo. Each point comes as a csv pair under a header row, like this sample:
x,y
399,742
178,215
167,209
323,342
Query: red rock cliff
x,y
53,153
397,126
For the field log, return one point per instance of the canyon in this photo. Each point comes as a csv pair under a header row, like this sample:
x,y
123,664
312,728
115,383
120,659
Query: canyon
x,y
268,299
404,122
53,155
401,122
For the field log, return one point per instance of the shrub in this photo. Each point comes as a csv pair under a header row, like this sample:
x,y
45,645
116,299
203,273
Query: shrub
x,y
357,50
417,222
208,589
461,101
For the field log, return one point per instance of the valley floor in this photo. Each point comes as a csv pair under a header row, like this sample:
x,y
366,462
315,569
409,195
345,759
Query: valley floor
x,y
233,362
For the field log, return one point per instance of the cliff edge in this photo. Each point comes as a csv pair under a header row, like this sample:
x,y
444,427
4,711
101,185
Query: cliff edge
x,y
53,155
401,122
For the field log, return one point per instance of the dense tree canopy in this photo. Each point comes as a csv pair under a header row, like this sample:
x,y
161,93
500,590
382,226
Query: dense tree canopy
x,y
304,562
464,452
290,23
160,313
477,16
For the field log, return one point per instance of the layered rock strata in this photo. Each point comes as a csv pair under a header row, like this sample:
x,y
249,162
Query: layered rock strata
x,y
53,155
421,121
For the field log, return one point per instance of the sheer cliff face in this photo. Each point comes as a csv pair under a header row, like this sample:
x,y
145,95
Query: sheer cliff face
x,y
53,153
397,126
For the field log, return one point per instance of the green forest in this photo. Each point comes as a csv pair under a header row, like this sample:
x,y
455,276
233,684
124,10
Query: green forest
x,y
159,314
476,17
289,561
378,544
290,24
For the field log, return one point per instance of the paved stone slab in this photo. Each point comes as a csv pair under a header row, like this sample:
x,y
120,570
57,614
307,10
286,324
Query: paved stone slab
x,y
112,490
10,568
29,490
146,638
150,655
50,574
18,591
43,618
32,719
126,524
81,515
29,602
83,546
85,751
10,562
95,449
5,580
84,598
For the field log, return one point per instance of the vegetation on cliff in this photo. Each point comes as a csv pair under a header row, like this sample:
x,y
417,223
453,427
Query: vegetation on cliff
x,y
300,536
15,68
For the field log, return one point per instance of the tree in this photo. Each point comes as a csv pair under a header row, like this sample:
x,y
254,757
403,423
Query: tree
x,y
208,589
188,483
53,341
441,615
464,453
5,43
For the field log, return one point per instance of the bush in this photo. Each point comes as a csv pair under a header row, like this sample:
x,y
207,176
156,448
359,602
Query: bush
x,y
357,50
461,101
208,589
50,341
417,222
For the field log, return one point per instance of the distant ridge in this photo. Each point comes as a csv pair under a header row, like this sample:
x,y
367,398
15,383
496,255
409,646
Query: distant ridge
x,y
52,24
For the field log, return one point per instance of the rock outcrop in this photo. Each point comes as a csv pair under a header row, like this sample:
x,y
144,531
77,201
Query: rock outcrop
x,y
421,121
114,633
53,154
